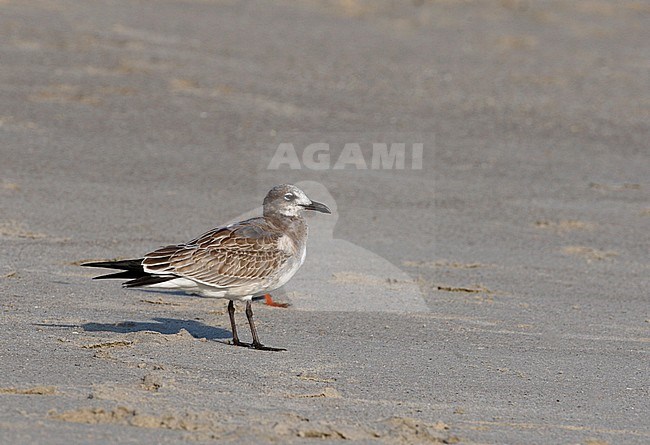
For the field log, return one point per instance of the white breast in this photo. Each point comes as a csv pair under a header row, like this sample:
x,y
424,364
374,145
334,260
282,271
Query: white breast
x,y
286,245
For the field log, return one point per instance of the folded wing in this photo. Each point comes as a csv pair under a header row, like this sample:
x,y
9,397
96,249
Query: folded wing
x,y
225,257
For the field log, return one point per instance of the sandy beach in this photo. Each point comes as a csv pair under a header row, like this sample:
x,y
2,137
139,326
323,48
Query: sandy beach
x,y
483,277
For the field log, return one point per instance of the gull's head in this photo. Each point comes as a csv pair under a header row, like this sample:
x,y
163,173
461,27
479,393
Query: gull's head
x,y
289,200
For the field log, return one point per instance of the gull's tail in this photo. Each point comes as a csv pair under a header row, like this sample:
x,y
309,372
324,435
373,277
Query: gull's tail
x,y
132,270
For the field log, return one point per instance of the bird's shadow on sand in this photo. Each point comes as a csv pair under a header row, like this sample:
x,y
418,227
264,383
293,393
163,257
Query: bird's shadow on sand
x,y
165,326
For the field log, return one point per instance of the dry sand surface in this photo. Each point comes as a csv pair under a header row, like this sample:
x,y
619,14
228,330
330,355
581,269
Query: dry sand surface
x,y
497,295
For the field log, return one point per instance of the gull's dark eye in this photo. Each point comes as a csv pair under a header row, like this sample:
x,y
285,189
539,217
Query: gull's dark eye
x,y
289,197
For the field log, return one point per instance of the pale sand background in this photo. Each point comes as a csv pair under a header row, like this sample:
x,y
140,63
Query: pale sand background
x,y
129,124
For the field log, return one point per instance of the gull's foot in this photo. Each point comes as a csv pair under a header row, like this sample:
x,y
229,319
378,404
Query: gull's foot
x,y
261,347
241,343
268,300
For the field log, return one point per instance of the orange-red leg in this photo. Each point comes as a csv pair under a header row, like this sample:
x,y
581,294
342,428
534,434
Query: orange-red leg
x,y
268,300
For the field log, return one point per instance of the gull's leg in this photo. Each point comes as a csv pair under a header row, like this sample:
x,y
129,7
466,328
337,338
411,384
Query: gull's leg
x,y
231,313
268,300
249,315
256,340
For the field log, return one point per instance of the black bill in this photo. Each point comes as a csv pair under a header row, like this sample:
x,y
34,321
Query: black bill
x,y
317,206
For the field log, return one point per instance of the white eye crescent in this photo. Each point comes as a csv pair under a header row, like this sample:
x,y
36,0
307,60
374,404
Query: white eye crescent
x,y
288,197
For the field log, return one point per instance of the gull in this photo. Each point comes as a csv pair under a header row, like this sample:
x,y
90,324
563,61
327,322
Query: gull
x,y
240,261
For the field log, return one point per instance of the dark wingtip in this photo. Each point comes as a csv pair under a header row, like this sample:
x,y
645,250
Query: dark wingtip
x,y
147,280
90,265
134,264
